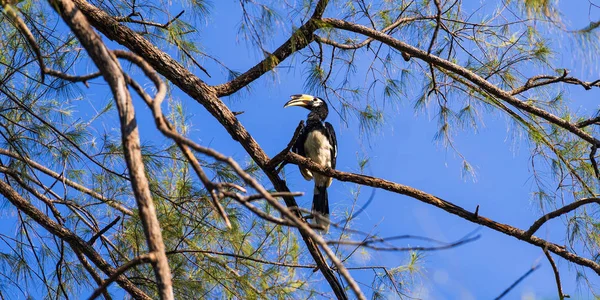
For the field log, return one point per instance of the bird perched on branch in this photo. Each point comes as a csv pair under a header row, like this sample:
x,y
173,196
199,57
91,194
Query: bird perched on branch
x,y
317,142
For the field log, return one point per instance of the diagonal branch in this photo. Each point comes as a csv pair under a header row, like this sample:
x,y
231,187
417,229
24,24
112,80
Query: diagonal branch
x,y
445,205
144,258
68,236
113,74
561,296
512,286
463,72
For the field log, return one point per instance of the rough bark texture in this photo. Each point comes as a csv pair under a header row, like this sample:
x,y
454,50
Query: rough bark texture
x,y
113,74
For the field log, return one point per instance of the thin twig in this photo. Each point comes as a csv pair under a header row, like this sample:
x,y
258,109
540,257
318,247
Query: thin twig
x,y
104,230
512,286
561,296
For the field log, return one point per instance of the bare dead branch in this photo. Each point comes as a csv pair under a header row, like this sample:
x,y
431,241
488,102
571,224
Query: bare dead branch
x,y
72,78
542,80
103,231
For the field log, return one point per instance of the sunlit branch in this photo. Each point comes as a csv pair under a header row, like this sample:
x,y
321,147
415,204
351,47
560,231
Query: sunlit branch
x,y
112,73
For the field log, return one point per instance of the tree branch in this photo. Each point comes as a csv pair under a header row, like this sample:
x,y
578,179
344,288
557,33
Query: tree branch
x,y
207,96
512,286
561,211
561,296
464,72
113,74
68,236
445,205
144,258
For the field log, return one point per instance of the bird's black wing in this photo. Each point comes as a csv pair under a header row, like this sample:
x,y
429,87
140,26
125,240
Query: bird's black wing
x,y
298,146
332,141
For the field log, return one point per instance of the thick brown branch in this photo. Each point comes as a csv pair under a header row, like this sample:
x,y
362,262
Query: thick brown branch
x,y
113,74
367,41
299,39
445,205
559,212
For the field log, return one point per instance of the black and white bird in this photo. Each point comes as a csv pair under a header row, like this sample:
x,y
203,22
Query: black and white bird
x,y
317,142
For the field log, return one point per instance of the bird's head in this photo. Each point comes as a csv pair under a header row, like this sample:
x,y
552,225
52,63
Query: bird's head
x,y
316,105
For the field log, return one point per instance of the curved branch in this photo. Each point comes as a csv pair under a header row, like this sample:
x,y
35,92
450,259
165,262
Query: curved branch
x,y
561,211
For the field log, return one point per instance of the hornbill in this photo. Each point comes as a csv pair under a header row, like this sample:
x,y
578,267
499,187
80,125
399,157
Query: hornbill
x,y
317,142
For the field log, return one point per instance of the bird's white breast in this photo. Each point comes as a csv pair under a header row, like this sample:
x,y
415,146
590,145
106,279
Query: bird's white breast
x,y
317,148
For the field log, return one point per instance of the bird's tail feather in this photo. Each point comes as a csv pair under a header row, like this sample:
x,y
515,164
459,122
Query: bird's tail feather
x,y
320,207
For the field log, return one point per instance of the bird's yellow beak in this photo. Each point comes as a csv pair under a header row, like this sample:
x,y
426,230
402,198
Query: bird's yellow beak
x,y
300,100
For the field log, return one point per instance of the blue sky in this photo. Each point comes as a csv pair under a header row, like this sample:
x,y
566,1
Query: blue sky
x,y
404,151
